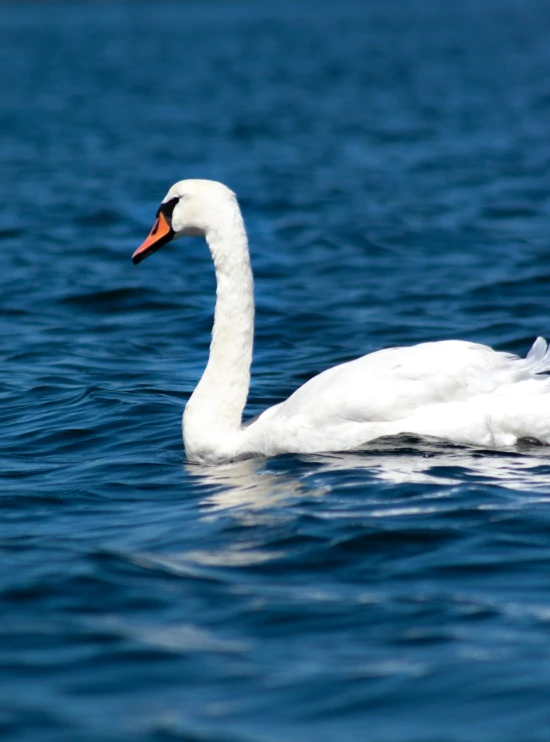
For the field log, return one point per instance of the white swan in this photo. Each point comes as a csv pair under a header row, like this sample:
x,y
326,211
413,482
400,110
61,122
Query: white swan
x,y
462,392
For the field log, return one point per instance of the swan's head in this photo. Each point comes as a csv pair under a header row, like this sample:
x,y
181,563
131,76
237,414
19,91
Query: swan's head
x,y
190,208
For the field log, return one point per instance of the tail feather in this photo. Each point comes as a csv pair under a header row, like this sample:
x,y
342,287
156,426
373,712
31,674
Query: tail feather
x,y
538,358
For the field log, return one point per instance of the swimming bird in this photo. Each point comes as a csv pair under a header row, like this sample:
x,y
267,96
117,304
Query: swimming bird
x,y
461,392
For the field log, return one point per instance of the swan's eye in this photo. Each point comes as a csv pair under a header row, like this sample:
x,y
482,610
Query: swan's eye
x,y
167,209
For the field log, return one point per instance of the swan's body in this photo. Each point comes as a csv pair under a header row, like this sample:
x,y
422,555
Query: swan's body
x,y
462,392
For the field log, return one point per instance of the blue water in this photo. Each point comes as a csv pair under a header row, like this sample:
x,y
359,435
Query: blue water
x,y
392,160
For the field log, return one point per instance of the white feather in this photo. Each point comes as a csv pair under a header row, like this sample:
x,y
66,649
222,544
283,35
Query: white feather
x,y
538,358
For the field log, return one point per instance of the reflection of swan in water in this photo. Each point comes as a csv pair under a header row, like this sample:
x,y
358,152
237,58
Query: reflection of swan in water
x,y
255,484
251,484
443,464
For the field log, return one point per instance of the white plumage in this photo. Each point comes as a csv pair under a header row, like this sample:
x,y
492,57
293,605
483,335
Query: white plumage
x,y
458,391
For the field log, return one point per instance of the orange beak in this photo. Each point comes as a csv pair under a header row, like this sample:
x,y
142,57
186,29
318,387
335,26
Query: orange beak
x,y
161,233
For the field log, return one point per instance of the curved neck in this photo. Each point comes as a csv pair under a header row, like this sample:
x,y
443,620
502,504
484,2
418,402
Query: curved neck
x,y
214,413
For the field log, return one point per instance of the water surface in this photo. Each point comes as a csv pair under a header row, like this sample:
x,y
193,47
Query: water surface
x,y
392,161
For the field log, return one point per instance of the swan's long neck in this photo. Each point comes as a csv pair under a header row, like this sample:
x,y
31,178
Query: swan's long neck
x,y
213,416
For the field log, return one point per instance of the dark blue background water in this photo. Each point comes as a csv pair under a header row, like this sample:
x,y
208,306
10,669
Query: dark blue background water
x,y
393,163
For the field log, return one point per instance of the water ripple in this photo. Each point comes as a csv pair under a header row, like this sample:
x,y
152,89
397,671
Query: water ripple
x,y
391,163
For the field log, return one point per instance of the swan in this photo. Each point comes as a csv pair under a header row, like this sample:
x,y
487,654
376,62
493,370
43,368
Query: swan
x,y
462,392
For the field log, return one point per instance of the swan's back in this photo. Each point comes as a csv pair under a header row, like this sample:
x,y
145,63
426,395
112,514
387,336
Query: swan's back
x,y
382,390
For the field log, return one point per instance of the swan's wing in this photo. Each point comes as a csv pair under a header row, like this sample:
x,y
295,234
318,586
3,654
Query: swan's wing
x,y
393,384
